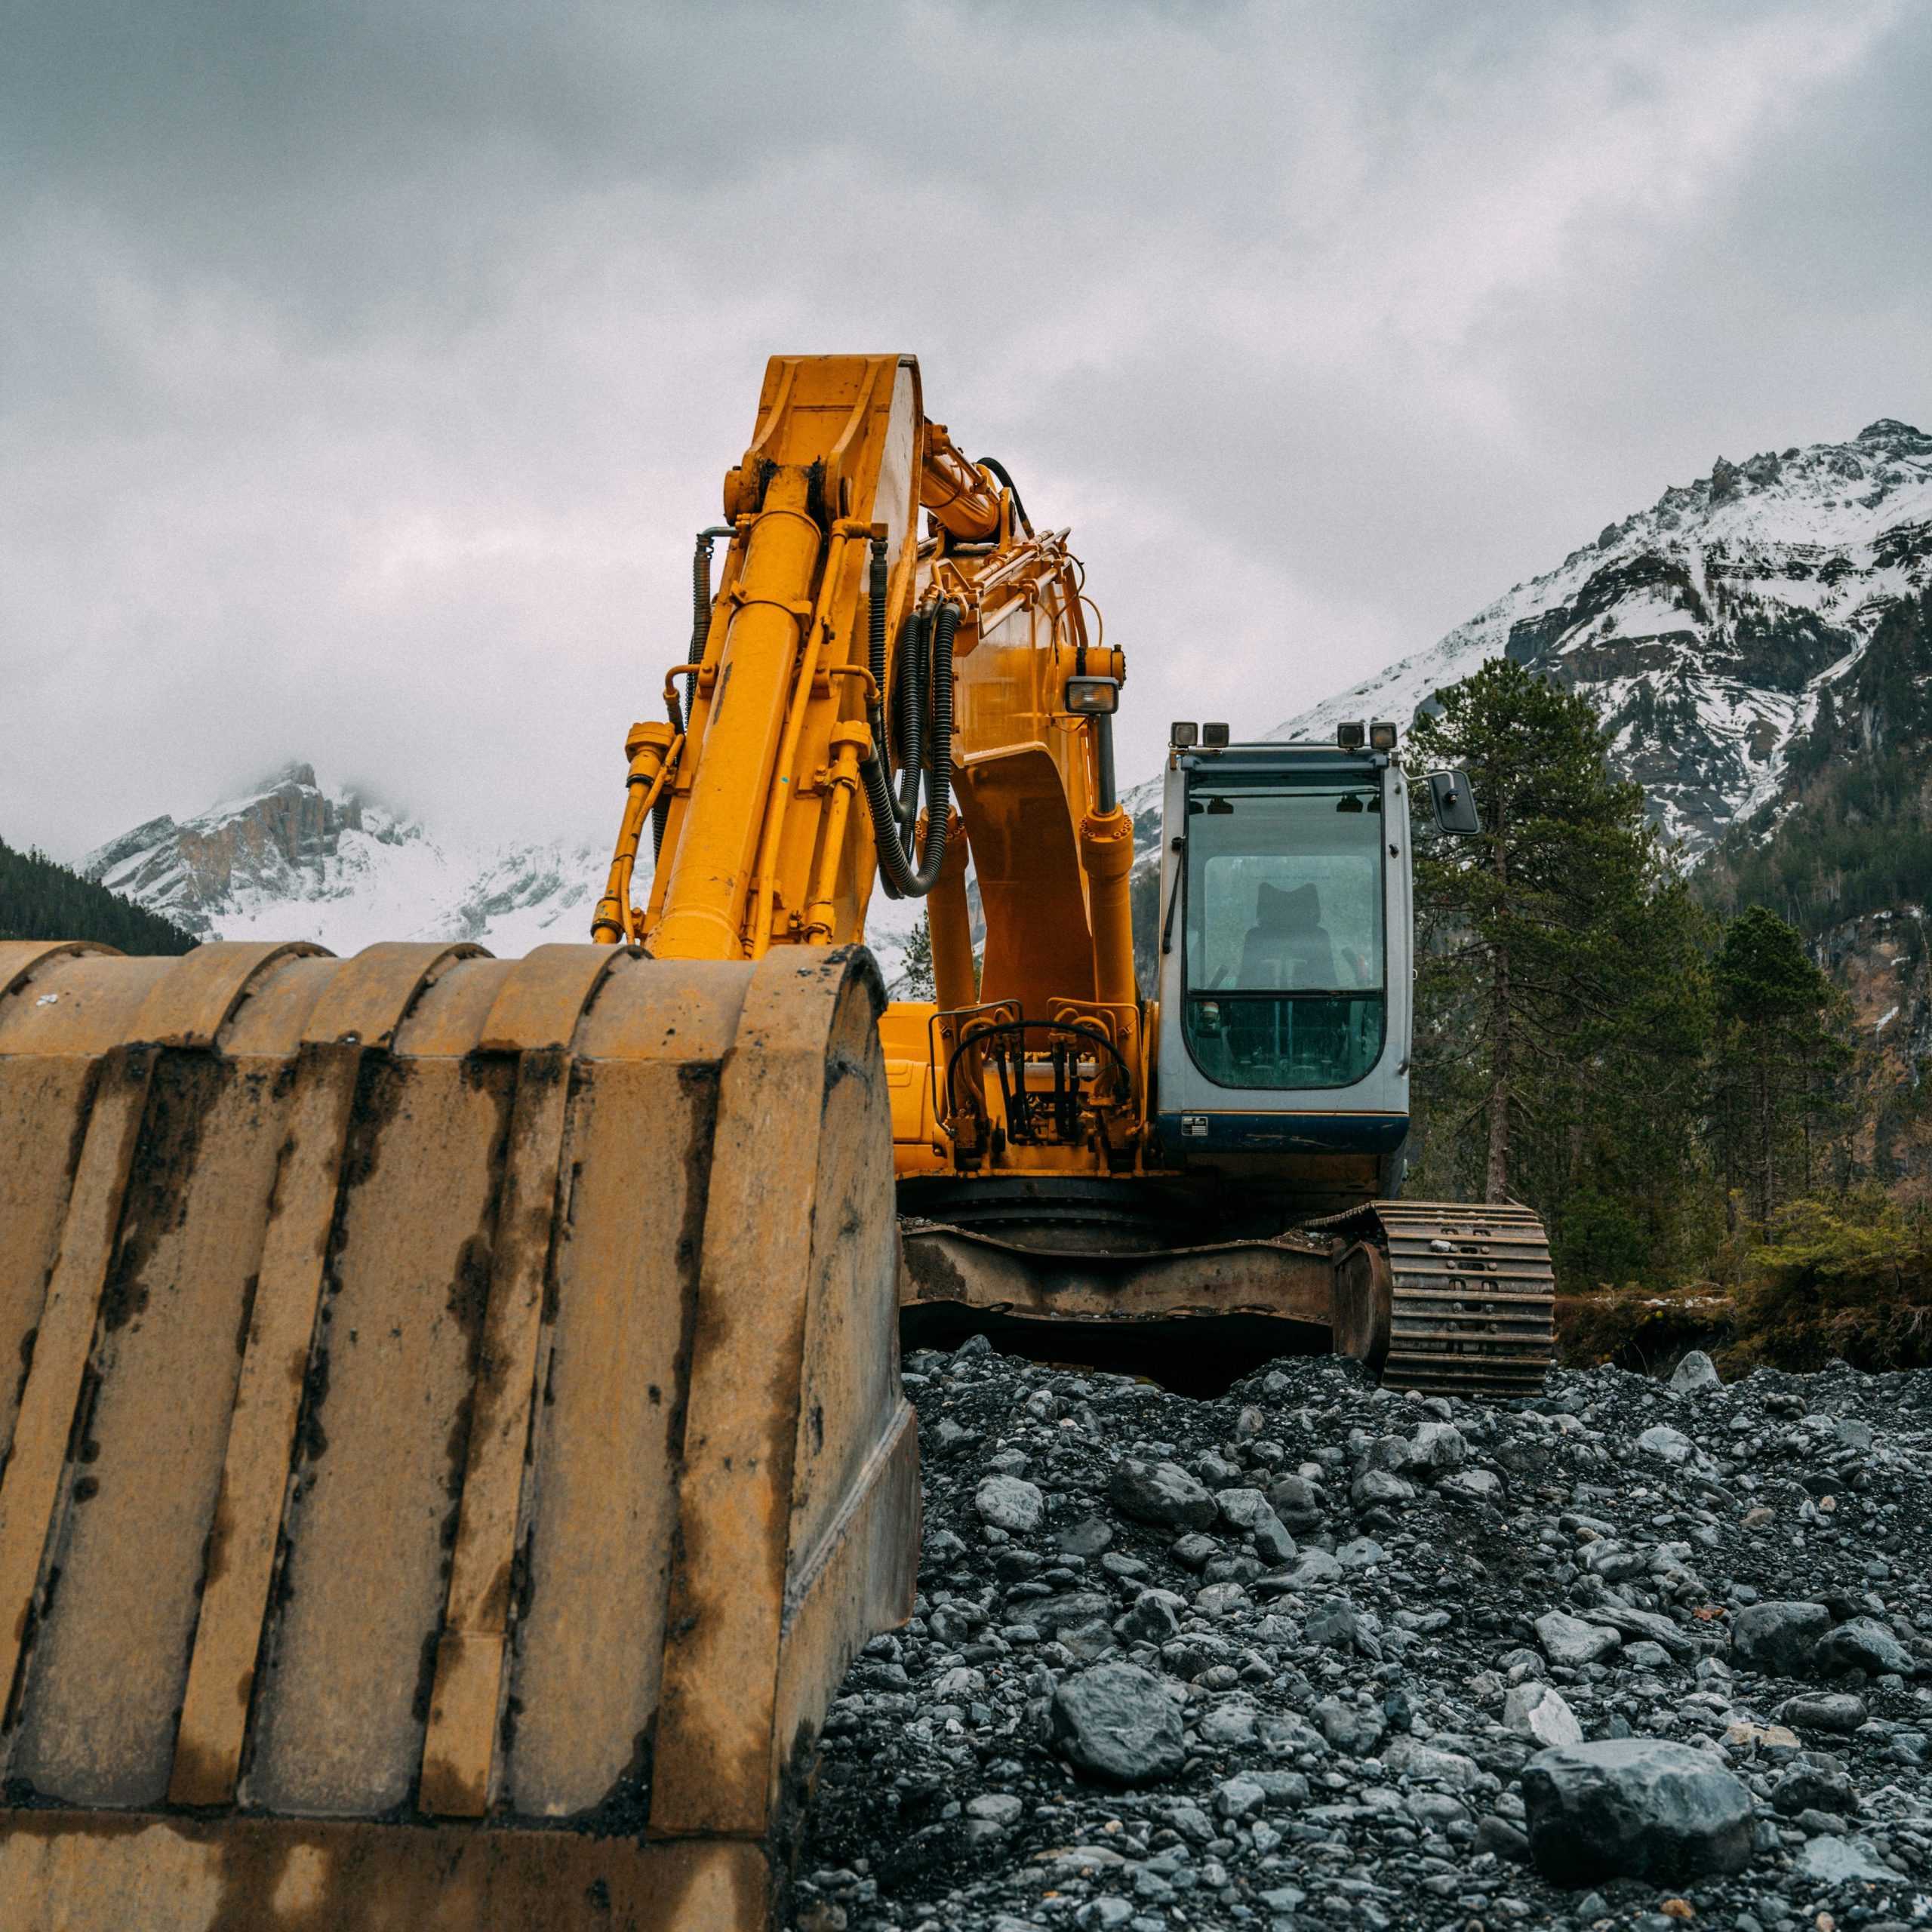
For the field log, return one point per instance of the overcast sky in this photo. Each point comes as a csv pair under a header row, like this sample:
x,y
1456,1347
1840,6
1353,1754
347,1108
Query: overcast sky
x,y
364,369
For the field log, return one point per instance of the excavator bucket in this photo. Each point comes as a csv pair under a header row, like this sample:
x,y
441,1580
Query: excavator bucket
x,y
457,1447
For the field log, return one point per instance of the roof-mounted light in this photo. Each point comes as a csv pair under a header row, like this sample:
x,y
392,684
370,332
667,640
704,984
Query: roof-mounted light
x,y
1213,734
1382,735
1349,736
1183,737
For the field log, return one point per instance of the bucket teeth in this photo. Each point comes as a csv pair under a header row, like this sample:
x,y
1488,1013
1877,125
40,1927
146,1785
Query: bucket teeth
x,y
461,1448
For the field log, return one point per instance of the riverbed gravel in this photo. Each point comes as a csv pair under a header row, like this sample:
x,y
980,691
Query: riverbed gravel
x,y
1279,1660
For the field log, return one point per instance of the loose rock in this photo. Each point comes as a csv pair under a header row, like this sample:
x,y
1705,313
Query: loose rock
x,y
1010,1503
950,1797
1569,1640
1671,1445
1116,1721
1862,1643
1695,1372
1161,1492
1828,1710
1540,1712
1778,1638
1635,1807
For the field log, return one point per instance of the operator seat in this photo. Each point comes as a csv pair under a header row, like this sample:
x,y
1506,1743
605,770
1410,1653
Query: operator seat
x,y
1288,946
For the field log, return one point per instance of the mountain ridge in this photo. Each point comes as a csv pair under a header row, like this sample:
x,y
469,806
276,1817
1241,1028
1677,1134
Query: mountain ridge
x,y
292,859
1704,626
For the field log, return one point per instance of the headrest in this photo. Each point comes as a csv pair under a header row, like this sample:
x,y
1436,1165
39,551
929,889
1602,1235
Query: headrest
x,y
1279,911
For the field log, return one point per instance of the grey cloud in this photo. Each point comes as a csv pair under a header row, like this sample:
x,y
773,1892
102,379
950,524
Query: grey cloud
x,y
364,368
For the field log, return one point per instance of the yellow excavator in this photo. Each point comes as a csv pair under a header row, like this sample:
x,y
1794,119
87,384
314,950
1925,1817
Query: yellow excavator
x,y
457,1447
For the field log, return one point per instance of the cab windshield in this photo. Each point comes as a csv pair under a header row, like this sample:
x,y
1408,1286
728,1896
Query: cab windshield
x,y
1284,934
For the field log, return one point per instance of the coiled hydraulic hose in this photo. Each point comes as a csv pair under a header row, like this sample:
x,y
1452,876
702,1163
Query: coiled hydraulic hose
x,y
907,869
660,813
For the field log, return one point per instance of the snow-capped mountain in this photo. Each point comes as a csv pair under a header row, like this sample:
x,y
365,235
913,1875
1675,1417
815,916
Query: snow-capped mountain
x,y
1704,627
294,861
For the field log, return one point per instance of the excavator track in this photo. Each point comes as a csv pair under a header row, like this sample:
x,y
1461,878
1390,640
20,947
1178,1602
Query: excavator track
x,y
1471,1301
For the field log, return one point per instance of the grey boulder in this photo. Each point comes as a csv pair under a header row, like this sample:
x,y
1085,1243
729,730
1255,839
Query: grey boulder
x,y
1536,1711
1066,1610
1863,1644
1154,1619
1296,1499
1118,1723
1826,1710
1672,1445
1634,1807
1249,1510
1777,1638
1351,1728
1696,1371
1645,1624
1087,1537
1807,1787
1437,1446
1010,1504
1569,1640
1844,1861
1339,1626
1162,1493
1498,1835
1478,1485
1312,1568
1374,1486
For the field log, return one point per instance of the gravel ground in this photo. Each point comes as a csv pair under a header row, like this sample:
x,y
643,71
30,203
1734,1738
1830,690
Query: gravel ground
x,y
1279,1659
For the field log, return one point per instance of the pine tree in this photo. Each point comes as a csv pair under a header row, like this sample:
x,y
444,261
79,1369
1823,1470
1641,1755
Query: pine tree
x,y
1561,1002
1781,1048
918,975
41,899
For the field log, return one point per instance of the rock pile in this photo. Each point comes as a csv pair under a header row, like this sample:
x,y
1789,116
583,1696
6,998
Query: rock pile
x,y
1315,1655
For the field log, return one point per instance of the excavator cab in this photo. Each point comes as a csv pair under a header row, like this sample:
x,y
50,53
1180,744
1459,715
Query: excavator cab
x,y
1285,968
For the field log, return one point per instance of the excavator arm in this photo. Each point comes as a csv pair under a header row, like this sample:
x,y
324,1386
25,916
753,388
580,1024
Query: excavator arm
x,y
851,665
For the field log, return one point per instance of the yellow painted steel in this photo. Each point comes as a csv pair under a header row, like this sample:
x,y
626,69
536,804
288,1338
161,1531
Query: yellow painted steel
x,y
768,842
428,1349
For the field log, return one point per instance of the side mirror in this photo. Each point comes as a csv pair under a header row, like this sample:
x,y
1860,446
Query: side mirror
x,y
1455,800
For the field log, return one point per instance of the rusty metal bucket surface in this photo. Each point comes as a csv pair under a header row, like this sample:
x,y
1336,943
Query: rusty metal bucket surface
x,y
458,1445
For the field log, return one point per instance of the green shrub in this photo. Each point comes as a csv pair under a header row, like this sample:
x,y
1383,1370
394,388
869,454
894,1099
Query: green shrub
x,y
1846,1277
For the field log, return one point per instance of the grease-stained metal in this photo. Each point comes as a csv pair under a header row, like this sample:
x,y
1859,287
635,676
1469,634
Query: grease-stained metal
x,y
403,1351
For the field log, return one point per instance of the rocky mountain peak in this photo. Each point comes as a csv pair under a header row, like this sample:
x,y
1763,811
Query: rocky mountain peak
x,y
1709,627
1890,432
262,844
292,858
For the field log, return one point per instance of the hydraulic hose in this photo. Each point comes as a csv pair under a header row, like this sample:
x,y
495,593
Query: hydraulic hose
x,y
1019,508
872,772
909,716
660,813
908,870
